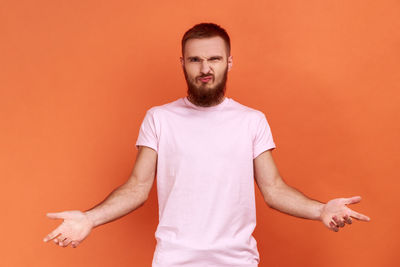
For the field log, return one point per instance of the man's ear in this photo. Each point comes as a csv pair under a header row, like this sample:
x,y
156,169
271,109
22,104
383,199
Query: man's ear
x,y
182,61
230,63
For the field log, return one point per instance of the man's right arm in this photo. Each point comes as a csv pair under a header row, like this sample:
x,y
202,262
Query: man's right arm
x,y
124,199
130,195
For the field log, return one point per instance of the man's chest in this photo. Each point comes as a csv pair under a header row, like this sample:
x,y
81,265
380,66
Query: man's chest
x,y
206,139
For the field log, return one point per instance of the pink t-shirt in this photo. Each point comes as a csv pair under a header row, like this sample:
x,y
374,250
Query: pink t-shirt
x,y
205,181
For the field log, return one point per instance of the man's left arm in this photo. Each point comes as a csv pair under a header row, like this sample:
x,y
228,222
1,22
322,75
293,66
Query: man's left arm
x,y
280,196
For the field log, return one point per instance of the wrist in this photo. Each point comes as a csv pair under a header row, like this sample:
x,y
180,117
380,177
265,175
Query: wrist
x,y
90,216
320,209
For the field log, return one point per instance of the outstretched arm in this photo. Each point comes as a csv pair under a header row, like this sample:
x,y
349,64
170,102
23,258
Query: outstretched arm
x,y
131,195
278,195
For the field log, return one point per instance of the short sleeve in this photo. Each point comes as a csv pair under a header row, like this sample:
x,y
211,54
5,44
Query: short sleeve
x,y
148,133
263,138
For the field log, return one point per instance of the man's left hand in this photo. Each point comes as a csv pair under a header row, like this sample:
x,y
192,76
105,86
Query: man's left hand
x,y
335,214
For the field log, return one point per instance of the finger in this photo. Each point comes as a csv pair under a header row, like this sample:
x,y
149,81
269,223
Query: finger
x,y
338,222
74,244
52,235
347,219
66,242
334,221
359,216
333,227
352,200
56,215
61,239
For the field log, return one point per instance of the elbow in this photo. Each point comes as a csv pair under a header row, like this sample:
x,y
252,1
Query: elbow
x,y
140,189
272,194
269,200
137,194
144,192
268,195
145,197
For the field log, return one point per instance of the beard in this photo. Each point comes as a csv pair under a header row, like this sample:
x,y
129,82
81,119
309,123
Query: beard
x,y
204,95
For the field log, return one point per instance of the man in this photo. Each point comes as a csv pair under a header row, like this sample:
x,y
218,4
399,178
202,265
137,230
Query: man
x,y
207,150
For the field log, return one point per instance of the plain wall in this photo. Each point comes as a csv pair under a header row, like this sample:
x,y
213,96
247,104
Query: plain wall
x,y
76,78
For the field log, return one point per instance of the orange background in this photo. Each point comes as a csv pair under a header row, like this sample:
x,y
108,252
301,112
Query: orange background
x,y
76,78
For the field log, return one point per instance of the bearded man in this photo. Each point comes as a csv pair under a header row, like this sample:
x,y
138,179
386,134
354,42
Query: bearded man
x,y
207,149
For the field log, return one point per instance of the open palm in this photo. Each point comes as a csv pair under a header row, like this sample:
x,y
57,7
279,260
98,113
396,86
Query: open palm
x,y
74,229
336,214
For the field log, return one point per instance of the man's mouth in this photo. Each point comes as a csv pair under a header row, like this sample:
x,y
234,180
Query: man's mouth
x,y
205,79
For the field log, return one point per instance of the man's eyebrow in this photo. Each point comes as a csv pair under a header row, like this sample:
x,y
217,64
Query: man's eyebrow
x,y
212,57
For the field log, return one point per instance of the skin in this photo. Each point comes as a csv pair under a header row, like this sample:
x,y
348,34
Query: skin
x,y
280,196
202,57
77,225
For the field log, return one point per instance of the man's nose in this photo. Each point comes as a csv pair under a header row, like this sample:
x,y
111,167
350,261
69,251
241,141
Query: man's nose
x,y
205,68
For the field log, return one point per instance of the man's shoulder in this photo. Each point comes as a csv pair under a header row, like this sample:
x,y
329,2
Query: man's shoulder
x,y
246,109
165,107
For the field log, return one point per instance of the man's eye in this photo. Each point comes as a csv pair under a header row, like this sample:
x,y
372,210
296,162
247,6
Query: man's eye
x,y
214,59
193,59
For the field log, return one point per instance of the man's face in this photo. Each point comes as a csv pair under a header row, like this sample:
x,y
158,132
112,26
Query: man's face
x,y
205,64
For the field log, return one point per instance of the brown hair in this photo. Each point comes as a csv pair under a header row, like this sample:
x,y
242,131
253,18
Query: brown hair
x,y
206,30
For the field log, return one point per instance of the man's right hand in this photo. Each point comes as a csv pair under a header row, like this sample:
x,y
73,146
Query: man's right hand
x,y
77,225
73,230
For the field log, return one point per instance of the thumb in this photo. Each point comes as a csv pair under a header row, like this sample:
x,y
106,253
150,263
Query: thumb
x,y
57,215
352,200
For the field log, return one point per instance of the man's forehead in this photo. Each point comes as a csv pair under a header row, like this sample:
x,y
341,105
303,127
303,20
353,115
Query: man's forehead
x,y
204,47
